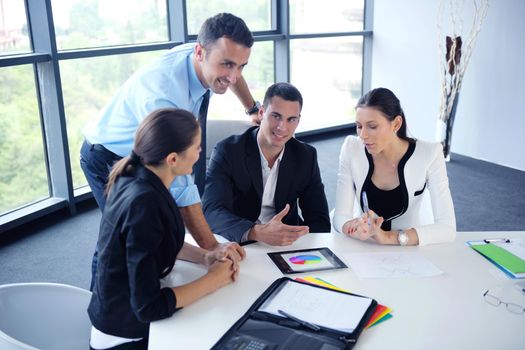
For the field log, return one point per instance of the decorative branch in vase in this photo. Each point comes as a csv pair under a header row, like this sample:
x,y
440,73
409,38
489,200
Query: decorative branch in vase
x,y
454,57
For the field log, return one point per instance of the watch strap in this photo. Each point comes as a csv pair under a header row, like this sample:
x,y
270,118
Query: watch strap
x,y
255,108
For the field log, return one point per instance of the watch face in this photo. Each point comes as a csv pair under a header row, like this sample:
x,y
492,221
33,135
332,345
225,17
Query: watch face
x,y
402,237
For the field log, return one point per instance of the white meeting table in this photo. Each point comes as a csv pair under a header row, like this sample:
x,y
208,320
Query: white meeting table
x,y
442,312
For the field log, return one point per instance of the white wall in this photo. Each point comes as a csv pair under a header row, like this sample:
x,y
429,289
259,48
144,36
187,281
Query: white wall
x,y
490,119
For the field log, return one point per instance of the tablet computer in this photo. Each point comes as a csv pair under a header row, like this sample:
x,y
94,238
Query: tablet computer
x,y
306,260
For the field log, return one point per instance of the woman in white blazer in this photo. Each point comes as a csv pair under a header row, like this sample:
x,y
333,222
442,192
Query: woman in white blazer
x,y
390,171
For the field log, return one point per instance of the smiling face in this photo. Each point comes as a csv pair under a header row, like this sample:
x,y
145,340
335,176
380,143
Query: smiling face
x,y
375,130
221,64
279,121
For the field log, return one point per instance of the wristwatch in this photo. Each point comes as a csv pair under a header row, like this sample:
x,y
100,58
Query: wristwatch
x,y
254,109
402,237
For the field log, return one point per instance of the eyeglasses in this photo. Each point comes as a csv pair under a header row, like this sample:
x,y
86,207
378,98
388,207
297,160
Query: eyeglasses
x,y
495,301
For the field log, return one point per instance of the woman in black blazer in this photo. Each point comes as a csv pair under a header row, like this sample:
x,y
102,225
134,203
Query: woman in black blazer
x,y
142,233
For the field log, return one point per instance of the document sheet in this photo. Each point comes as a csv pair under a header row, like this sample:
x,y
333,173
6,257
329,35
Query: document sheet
x,y
322,307
391,265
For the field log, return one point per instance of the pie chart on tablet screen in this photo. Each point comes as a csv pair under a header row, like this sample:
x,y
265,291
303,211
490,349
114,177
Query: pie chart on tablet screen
x,y
305,259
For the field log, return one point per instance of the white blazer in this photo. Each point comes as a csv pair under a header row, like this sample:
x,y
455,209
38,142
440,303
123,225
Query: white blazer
x,y
424,170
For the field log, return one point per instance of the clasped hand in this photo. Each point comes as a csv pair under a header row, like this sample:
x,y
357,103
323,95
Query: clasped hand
x,y
230,253
365,227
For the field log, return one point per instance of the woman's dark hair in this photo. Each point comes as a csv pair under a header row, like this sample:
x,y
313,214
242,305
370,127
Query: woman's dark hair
x,y
224,25
162,132
388,104
286,91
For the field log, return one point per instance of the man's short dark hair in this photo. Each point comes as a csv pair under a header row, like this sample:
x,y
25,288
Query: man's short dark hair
x,y
286,91
224,25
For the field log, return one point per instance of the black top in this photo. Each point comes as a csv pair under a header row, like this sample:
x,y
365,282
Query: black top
x,y
385,203
141,233
389,204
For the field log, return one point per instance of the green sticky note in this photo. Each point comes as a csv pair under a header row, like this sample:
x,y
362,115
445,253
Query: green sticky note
x,y
384,318
502,257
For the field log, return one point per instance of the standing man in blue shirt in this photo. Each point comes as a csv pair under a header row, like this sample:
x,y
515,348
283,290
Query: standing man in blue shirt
x,y
182,78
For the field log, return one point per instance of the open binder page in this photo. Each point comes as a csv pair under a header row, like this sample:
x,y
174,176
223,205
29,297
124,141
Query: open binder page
x,y
322,307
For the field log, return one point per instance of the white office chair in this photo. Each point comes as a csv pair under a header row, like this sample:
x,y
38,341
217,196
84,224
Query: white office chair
x,y
44,316
217,130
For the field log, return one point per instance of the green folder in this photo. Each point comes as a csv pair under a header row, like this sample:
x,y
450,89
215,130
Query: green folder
x,y
501,257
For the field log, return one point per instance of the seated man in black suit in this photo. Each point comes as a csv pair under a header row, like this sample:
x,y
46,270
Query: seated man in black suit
x,y
256,180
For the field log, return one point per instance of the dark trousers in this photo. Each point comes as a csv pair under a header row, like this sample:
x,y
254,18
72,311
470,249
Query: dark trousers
x,y
96,162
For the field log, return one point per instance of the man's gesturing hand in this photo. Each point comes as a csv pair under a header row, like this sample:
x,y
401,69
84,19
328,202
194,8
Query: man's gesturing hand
x,y
275,232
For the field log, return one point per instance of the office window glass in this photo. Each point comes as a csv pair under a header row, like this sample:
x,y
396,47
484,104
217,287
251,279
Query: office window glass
x,y
327,16
328,72
93,23
256,13
23,173
258,74
88,85
14,37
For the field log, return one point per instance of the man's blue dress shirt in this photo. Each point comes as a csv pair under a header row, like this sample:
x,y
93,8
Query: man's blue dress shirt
x,y
168,81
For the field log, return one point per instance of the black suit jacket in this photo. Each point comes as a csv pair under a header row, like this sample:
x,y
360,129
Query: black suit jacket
x,y
233,194
141,233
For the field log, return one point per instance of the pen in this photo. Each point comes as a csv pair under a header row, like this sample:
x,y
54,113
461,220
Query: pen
x,y
304,323
365,205
496,240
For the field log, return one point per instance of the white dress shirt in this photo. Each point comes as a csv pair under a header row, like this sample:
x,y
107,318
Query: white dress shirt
x,y
269,179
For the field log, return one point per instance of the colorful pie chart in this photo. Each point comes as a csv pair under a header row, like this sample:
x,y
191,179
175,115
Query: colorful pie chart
x,y
305,259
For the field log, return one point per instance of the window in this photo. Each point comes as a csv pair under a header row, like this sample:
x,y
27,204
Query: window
x,y
88,84
326,59
256,13
14,36
95,23
23,173
48,94
328,72
328,16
